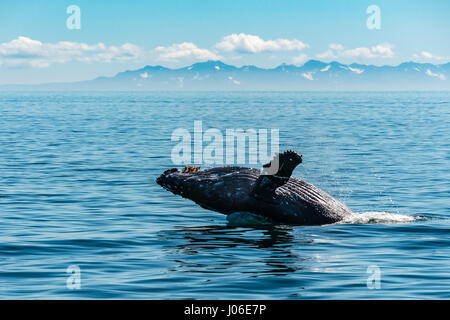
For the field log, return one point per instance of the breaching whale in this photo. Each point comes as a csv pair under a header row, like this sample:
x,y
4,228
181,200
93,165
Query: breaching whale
x,y
270,192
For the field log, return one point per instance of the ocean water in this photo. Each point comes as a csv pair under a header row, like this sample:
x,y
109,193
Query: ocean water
x,y
77,188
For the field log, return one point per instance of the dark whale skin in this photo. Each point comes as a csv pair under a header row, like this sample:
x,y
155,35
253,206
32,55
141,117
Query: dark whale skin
x,y
231,189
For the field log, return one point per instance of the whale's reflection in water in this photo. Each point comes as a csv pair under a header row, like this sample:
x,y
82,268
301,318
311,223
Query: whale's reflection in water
x,y
255,251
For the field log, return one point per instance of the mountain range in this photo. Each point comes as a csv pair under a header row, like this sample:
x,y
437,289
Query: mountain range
x,y
313,75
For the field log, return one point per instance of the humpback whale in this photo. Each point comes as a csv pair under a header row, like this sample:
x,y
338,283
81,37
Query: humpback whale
x,y
270,192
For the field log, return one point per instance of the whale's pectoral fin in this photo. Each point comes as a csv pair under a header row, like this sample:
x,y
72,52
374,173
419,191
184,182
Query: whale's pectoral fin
x,y
276,173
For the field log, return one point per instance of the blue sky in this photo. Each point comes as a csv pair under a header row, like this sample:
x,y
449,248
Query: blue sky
x,y
36,45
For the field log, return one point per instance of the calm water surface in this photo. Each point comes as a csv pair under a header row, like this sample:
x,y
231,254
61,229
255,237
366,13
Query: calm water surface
x,y
77,187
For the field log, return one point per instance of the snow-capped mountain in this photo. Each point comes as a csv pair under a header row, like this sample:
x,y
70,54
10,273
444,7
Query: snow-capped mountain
x,y
313,75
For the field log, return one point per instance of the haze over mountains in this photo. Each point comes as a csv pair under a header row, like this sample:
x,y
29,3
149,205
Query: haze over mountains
x,y
313,75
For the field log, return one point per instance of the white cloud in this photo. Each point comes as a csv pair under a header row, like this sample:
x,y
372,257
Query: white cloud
x,y
325,69
378,51
427,55
185,50
336,46
300,59
144,75
26,52
437,75
327,55
253,44
338,51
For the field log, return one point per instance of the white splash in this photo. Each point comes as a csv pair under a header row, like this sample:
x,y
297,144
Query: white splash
x,y
377,218
251,219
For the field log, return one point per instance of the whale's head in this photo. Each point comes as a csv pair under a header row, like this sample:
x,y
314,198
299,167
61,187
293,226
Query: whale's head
x,y
189,182
176,181
216,189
